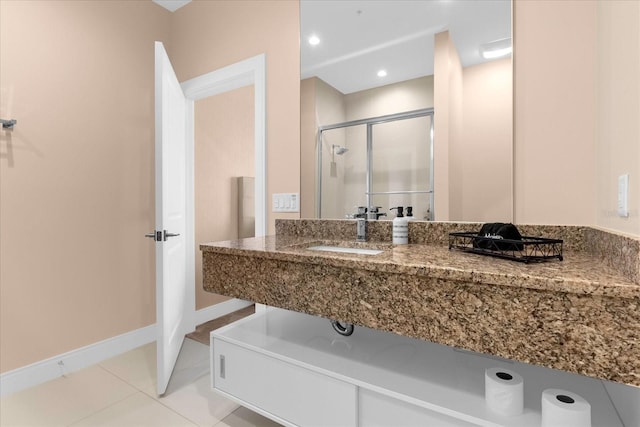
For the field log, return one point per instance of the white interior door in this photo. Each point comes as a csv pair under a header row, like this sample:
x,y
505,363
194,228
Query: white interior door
x,y
174,292
174,234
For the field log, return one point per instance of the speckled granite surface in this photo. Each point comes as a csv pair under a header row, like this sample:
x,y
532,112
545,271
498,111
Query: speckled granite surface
x,y
580,315
618,251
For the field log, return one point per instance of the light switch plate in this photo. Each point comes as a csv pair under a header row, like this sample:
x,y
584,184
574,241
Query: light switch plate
x,y
623,195
285,202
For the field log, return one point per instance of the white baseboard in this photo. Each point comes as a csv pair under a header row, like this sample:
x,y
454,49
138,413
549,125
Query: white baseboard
x,y
219,310
57,366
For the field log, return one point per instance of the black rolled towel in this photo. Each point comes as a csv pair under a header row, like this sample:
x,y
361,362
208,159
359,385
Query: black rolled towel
x,y
493,235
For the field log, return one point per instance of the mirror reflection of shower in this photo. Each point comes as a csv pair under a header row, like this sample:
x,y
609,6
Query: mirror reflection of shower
x,y
339,150
388,162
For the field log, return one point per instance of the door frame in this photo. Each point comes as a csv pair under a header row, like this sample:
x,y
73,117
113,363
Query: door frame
x,y
251,71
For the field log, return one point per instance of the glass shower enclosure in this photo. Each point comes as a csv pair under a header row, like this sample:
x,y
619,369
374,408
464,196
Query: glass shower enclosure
x,y
384,161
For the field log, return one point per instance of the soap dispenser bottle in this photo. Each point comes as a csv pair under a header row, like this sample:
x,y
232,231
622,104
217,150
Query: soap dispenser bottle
x,y
400,229
410,216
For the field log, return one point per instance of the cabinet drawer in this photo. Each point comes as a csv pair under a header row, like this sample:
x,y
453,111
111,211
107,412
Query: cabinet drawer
x,y
290,392
377,410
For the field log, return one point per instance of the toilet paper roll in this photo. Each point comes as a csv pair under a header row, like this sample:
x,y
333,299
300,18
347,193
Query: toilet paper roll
x,y
503,391
562,408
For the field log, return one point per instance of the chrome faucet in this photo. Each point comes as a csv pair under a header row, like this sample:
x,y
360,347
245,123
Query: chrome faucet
x,y
361,230
374,213
362,212
361,224
363,216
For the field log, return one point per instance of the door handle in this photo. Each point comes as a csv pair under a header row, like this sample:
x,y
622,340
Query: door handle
x,y
156,236
161,236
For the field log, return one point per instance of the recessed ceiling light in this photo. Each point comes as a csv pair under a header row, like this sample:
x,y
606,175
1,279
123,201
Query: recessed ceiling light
x,y
314,40
382,73
496,49
491,54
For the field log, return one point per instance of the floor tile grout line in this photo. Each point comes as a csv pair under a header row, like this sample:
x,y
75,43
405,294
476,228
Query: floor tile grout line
x,y
134,390
173,410
138,390
135,387
103,409
131,390
153,397
159,400
128,397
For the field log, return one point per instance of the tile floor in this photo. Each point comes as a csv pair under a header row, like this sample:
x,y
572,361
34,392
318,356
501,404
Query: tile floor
x,y
120,392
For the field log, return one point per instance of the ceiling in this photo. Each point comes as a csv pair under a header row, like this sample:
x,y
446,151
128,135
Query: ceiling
x,y
360,37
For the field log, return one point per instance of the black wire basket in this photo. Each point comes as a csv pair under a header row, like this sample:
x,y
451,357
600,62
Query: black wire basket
x,y
529,249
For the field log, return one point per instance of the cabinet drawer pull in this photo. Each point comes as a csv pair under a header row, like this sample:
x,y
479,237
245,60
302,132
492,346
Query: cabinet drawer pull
x,y
222,367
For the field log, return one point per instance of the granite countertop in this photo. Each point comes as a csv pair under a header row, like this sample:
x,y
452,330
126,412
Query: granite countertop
x,y
578,273
581,314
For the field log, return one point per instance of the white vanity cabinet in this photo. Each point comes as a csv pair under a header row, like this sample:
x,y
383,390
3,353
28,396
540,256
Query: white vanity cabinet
x,y
295,369
378,410
284,391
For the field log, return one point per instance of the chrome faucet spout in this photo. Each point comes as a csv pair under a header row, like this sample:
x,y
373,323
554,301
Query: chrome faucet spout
x,y
361,224
361,230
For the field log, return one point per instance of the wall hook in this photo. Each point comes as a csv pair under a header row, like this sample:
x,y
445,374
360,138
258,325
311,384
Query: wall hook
x,y
8,124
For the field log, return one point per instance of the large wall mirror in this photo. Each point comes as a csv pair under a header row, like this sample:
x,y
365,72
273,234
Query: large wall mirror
x,y
364,64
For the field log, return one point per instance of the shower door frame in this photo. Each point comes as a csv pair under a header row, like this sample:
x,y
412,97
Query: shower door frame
x,y
370,122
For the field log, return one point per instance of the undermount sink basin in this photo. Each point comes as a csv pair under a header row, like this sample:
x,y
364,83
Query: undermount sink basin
x,y
341,249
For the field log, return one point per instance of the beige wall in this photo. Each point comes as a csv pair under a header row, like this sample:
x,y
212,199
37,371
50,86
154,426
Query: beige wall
x,y
320,104
224,150
576,111
308,128
486,156
394,98
207,35
618,114
447,106
555,112
473,137
330,108
76,173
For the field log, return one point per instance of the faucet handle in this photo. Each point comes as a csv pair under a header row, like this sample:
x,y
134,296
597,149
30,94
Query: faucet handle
x,y
374,212
361,212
